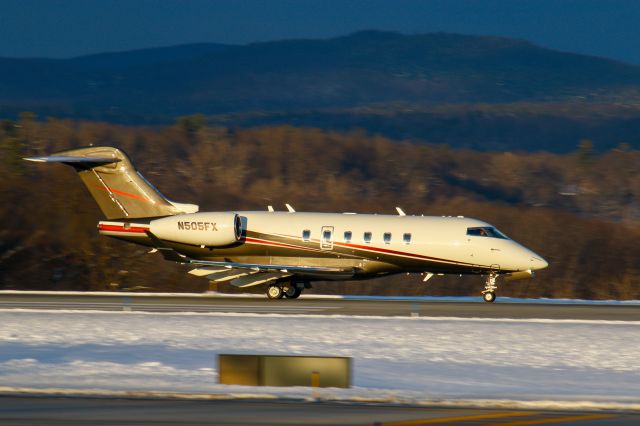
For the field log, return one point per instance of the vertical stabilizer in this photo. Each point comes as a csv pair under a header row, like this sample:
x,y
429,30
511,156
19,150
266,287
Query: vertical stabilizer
x,y
118,188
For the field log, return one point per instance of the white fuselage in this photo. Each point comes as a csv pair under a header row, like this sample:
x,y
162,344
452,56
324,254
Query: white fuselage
x,y
374,244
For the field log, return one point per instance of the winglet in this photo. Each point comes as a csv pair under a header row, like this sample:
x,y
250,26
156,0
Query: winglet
x,y
167,252
291,209
400,212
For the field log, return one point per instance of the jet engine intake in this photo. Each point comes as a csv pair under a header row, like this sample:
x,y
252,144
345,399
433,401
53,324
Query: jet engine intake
x,y
202,229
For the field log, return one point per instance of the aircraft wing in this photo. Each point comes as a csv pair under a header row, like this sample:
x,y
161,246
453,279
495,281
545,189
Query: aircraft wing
x,y
249,274
242,274
238,277
260,267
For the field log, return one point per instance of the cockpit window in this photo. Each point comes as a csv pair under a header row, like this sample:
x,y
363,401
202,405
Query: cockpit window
x,y
486,231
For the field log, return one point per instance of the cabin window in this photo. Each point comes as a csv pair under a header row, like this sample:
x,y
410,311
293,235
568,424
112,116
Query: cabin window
x,y
347,236
387,237
326,236
367,237
406,238
486,231
306,235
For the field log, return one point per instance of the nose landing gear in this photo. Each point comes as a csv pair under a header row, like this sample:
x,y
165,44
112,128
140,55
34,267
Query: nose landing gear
x,y
490,286
489,296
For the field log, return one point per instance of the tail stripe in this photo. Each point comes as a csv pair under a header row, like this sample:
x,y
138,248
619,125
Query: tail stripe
x,y
126,194
110,193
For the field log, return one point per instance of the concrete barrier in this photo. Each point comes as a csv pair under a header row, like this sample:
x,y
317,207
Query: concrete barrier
x,y
284,370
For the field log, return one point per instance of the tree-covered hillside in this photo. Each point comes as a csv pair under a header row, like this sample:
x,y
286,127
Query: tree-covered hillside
x,y
580,210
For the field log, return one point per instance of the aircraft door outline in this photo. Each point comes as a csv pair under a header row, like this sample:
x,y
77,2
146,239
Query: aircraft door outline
x,y
326,238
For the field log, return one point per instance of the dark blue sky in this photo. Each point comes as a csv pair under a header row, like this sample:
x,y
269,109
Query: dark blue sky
x,y
65,28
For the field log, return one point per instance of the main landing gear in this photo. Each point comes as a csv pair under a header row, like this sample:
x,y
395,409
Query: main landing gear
x,y
288,290
274,291
292,291
488,294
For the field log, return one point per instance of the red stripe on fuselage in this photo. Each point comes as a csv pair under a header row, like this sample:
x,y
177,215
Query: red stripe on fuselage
x,y
121,228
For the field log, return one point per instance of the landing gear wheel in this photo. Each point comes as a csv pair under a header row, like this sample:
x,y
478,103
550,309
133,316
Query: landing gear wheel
x,y
275,292
489,297
490,287
292,292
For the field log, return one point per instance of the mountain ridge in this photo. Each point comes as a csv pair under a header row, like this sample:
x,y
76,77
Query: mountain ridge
x,y
287,77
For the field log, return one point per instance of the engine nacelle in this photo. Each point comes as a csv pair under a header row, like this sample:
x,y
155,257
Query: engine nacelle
x,y
207,229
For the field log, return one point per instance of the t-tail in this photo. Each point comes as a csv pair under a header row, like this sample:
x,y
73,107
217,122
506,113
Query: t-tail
x,y
118,188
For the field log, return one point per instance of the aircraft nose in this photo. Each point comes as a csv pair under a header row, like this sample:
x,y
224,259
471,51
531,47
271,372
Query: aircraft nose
x,y
537,262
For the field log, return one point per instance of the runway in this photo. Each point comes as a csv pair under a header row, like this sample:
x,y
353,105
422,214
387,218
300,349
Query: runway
x,y
36,411
318,306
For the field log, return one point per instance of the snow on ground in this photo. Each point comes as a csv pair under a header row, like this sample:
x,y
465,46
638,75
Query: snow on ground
x,y
395,359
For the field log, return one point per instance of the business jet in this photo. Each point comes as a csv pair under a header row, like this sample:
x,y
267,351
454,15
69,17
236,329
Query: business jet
x,y
285,251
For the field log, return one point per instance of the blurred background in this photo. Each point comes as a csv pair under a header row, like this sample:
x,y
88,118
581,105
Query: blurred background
x,y
511,112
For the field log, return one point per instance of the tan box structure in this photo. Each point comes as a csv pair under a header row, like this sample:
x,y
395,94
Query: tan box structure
x,y
284,370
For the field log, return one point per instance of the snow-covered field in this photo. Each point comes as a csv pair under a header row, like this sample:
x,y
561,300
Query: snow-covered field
x,y
423,359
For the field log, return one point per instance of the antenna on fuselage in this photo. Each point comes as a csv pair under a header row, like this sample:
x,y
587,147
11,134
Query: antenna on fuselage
x,y
291,209
400,211
270,209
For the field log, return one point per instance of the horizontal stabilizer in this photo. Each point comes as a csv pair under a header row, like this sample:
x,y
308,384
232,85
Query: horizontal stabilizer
x,y
71,159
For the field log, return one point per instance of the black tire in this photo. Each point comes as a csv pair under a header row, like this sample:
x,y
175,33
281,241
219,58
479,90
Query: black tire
x,y
489,297
292,292
275,292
